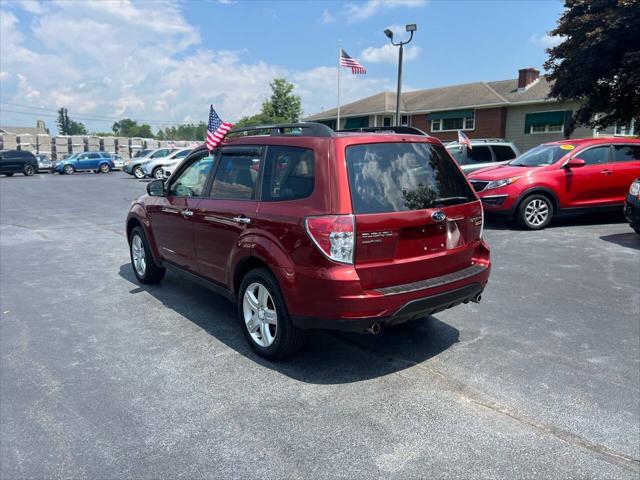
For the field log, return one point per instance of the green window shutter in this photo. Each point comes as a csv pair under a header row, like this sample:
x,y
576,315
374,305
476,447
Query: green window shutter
x,y
559,117
357,122
451,114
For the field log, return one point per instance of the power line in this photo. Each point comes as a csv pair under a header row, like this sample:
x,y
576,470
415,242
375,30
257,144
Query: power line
x,y
88,117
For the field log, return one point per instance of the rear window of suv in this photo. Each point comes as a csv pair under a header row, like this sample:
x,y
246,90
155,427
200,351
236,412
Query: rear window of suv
x,y
395,177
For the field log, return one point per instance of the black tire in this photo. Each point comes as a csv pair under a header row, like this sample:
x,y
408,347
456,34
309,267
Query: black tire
x,y
28,170
288,338
157,173
152,273
104,168
535,212
69,170
9,174
636,229
137,172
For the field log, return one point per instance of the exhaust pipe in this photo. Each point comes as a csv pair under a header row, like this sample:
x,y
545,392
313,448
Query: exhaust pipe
x,y
374,329
477,298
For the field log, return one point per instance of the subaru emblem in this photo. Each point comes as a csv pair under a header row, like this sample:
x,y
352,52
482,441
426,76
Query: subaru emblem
x,y
438,216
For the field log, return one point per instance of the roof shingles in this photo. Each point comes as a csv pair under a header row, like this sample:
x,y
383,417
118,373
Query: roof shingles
x,y
477,94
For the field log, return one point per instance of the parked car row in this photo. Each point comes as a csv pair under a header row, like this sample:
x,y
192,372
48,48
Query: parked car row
x,y
149,162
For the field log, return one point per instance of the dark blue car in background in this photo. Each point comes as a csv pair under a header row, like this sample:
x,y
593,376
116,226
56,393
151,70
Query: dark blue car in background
x,y
99,162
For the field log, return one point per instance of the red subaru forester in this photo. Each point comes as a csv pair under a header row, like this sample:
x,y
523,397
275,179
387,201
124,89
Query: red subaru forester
x,y
570,176
307,228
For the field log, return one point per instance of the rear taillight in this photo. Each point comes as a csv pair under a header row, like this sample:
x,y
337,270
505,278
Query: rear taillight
x,y
334,235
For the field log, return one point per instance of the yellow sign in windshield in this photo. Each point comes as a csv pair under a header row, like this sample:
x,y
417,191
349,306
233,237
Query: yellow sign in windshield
x,y
567,147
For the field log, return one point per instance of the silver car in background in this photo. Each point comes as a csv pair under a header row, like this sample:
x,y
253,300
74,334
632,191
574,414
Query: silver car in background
x,y
118,161
44,162
153,166
484,152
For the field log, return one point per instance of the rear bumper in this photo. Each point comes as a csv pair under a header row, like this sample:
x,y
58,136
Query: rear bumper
x,y
417,308
334,298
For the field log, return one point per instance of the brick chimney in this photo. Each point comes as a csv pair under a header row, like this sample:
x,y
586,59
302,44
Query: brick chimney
x,y
526,77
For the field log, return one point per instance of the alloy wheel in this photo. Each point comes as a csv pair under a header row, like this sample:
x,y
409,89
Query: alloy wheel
x,y
104,168
68,169
260,315
138,173
158,174
138,255
536,212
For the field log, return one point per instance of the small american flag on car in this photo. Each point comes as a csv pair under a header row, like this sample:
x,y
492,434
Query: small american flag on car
x,y
347,61
464,140
216,130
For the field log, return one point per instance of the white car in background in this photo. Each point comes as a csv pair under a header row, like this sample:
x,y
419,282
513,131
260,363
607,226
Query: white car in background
x,y
168,169
118,161
485,152
153,166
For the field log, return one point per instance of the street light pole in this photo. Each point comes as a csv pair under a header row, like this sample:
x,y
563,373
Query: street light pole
x,y
399,89
410,28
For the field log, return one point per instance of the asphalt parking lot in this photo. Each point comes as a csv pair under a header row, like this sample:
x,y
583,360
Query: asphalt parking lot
x,y
101,377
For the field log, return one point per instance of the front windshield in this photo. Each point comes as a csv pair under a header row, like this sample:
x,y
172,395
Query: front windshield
x,y
542,155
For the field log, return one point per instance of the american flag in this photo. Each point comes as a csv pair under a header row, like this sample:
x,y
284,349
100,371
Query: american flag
x,y
217,129
464,140
347,61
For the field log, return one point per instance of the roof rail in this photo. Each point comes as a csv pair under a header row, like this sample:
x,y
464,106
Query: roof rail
x,y
309,129
400,129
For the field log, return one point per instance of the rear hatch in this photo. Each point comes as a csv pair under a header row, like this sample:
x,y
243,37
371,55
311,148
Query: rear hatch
x,y
416,217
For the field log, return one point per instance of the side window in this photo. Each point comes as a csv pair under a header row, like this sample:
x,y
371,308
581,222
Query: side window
x,y
182,154
289,173
236,176
595,156
94,156
479,154
161,153
192,180
626,153
503,152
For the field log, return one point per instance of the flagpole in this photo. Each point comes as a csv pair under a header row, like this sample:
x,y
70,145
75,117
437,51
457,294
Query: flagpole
x,y
339,55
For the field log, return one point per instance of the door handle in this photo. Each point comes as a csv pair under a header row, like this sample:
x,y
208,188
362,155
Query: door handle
x,y
187,213
242,219
606,172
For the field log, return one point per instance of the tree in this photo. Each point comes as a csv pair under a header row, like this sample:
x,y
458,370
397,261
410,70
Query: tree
x,y
598,63
282,107
66,126
130,128
189,131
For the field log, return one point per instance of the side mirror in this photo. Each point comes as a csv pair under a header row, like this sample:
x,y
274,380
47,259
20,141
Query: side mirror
x,y
156,188
574,163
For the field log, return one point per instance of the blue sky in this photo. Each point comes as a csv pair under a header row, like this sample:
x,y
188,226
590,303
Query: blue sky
x,y
165,61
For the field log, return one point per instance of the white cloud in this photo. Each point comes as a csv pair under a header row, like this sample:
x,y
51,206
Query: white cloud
x,y
144,61
389,54
365,10
327,17
546,40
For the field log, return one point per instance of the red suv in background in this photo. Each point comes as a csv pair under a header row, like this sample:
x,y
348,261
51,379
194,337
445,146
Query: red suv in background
x,y
560,177
304,227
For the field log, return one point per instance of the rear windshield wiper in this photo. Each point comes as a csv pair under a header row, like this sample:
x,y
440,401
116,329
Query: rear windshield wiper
x,y
448,200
